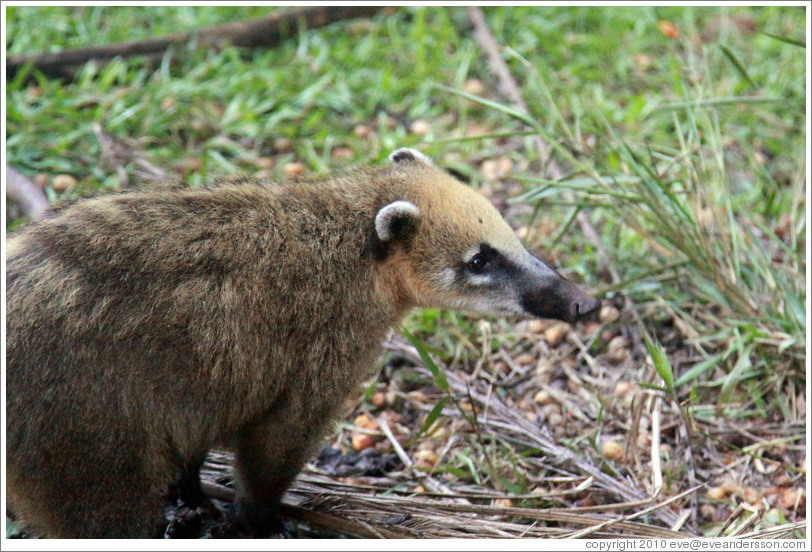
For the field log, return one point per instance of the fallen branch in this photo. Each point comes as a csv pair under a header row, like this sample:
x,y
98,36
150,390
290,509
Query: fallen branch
x,y
266,31
507,84
25,193
119,152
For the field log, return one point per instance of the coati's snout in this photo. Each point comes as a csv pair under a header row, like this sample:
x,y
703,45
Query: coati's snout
x,y
546,294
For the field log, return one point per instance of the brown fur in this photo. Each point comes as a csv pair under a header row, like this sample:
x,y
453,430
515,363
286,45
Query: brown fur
x,y
144,328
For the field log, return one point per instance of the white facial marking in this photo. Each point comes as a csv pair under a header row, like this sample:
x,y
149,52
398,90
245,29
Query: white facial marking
x,y
480,279
447,278
401,155
487,305
396,209
468,255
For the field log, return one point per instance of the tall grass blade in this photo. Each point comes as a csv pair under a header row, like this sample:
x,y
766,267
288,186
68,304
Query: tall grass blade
x,y
787,39
661,363
436,372
737,64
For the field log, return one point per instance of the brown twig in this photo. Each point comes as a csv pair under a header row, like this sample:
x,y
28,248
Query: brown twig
x,y
119,152
25,193
266,31
507,84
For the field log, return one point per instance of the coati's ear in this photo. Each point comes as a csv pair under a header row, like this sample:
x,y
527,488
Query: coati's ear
x,y
397,221
408,155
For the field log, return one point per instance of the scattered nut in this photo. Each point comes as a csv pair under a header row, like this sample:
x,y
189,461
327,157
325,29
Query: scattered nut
x,y
783,480
525,359
294,169
428,456
420,127
534,326
613,450
426,444
525,405
609,314
342,152
63,182
551,408
363,131
365,422
265,163
417,396
618,349
496,169
643,61
543,397
362,441
378,399
643,440
716,493
522,232
503,503
591,328
473,87
668,29
791,498
623,388
477,130
752,496
556,333
283,145
555,420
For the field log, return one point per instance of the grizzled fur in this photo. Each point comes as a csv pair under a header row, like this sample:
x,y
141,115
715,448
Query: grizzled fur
x,y
145,327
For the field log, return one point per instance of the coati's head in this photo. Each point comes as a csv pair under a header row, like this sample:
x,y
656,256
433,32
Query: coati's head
x,y
453,250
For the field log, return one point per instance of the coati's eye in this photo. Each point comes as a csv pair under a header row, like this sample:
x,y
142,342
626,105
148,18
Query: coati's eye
x,y
478,264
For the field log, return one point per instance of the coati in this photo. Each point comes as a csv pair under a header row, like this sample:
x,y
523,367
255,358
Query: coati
x,y
145,327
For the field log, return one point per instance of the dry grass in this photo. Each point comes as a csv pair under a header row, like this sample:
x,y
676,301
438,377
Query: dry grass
x,y
575,490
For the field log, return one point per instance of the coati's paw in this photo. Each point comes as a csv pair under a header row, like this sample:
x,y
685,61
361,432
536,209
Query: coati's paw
x,y
187,490
258,520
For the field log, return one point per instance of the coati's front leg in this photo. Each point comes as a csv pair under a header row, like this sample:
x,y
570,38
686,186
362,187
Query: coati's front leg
x,y
269,455
187,488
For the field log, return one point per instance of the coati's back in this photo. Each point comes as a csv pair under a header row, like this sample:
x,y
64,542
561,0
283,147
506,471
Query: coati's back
x,y
151,324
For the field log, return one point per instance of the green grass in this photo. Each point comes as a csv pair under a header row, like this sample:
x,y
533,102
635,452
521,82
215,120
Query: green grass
x,y
686,153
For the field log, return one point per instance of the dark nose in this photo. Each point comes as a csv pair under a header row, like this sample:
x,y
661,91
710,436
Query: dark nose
x,y
563,301
583,305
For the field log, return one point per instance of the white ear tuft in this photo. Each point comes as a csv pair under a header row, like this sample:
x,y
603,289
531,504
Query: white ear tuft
x,y
392,219
408,155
